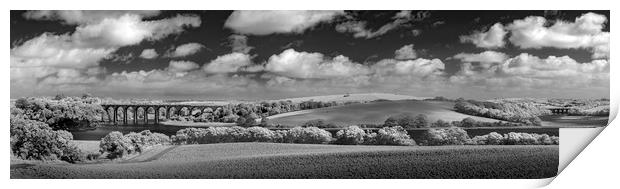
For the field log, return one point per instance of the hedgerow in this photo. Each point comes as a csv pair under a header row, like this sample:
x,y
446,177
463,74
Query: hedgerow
x,y
390,136
513,138
448,136
305,135
351,135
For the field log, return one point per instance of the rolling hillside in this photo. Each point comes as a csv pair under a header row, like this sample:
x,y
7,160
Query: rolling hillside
x,y
354,97
374,113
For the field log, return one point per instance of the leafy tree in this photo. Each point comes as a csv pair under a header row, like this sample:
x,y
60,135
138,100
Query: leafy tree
x,y
420,121
441,123
65,113
468,122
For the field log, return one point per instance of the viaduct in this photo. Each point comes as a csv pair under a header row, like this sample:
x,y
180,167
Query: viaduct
x,y
169,109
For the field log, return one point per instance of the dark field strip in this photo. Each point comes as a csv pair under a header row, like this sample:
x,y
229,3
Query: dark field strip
x,y
321,161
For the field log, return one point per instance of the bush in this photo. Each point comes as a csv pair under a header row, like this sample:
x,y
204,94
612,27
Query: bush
x,y
145,139
351,135
449,136
441,123
35,140
118,145
407,121
308,135
493,138
391,136
62,113
319,123
259,134
513,138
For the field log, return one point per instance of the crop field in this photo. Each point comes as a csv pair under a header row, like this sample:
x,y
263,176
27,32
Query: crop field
x,y
374,113
269,160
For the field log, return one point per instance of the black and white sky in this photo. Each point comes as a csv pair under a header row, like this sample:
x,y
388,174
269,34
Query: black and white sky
x,y
254,55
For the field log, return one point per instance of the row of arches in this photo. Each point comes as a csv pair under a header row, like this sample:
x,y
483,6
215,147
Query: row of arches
x,y
560,110
127,114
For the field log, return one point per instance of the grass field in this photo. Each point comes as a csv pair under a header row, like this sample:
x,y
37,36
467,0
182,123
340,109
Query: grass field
x,y
357,97
196,124
269,160
374,113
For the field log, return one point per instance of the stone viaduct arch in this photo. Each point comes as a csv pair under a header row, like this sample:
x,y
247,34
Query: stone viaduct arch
x,y
115,111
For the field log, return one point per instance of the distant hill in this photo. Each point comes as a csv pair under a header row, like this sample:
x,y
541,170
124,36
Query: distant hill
x,y
374,113
355,97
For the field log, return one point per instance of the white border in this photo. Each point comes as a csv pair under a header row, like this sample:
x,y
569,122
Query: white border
x,y
596,167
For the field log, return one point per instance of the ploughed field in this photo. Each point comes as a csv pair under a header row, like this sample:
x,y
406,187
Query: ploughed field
x,y
271,160
374,113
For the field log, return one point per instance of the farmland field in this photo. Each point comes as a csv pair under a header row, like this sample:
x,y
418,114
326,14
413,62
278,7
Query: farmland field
x,y
269,160
374,113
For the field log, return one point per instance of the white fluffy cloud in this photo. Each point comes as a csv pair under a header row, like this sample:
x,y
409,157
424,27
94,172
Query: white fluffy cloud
x,y
405,52
585,32
187,49
85,16
295,64
182,66
149,54
483,57
493,38
239,43
64,59
263,22
229,63
419,68
527,72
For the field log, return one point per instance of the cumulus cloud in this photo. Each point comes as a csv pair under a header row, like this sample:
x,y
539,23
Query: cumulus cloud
x,y
405,52
163,83
483,57
187,49
527,72
182,66
400,19
229,63
265,22
493,38
239,43
149,54
85,16
420,67
74,57
585,32
295,64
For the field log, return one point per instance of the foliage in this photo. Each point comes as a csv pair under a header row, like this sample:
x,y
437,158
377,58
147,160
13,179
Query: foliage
x,y
117,145
441,123
351,135
260,134
407,121
449,136
61,112
320,123
513,138
521,112
35,140
307,135
469,122
396,135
